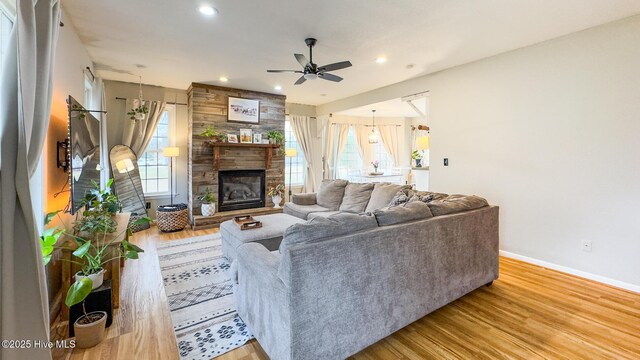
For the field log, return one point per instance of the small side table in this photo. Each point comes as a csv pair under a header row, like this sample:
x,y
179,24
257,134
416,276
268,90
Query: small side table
x,y
112,268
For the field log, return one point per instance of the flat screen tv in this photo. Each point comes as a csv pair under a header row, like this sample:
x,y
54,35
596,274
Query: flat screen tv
x,y
84,152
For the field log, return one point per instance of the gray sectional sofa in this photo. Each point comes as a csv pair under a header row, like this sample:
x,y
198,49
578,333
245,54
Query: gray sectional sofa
x,y
348,278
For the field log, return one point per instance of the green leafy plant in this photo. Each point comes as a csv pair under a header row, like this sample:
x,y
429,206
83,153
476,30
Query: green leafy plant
x,y
276,136
91,241
215,135
278,190
207,197
133,113
416,155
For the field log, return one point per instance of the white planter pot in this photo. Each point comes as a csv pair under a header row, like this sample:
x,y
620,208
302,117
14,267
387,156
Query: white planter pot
x,y
97,278
208,209
276,201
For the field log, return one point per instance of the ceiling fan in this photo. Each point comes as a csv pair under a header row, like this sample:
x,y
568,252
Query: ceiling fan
x,y
312,71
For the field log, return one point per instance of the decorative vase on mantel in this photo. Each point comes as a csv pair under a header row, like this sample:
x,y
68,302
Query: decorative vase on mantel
x,y
277,199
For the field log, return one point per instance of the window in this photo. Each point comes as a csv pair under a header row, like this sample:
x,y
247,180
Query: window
x,y
298,165
349,160
383,157
6,23
155,168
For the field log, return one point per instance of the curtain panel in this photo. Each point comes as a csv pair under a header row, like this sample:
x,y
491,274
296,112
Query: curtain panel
x,y
389,137
302,128
25,104
336,141
138,133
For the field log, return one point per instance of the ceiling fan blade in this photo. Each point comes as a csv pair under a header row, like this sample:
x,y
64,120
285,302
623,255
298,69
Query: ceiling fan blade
x,y
330,77
300,81
335,66
285,71
302,60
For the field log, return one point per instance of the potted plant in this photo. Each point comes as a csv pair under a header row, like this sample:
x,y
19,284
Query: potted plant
x,y
417,156
375,164
215,135
208,206
276,194
275,137
91,253
138,113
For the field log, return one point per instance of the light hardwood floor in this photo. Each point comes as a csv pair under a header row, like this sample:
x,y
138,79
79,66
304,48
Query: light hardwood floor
x,y
529,313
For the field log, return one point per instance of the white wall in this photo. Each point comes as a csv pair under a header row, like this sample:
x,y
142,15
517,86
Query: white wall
x,y
550,134
117,116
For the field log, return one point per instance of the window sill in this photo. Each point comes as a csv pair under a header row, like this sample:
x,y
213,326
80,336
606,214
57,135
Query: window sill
x,y
158,196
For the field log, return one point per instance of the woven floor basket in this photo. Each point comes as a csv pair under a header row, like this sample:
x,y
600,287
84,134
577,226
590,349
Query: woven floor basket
x,y
172,217
137,227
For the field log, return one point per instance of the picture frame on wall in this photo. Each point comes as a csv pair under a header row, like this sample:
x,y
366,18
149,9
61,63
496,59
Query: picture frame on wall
x,y
257,138
246,136
243,110
232,138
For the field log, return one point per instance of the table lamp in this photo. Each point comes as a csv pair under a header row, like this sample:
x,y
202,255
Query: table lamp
x,y
171,152
423,142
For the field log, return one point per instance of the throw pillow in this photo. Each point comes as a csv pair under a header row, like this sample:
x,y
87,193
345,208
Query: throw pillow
x,y
382,194
402,214
401,197
326,227
356,197
456,203
330,193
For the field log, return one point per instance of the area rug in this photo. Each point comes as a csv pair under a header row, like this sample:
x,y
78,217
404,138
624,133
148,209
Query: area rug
x,y
198,286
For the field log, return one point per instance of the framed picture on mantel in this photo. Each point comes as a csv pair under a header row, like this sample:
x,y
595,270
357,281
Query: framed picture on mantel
x,y
243,110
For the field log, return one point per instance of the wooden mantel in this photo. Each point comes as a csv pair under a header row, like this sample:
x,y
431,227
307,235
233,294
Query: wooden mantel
x,y
268,151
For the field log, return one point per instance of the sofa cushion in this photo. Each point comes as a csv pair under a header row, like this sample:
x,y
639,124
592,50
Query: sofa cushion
x,y
456,203
302,211
403,213
382,194
322,214
320,228
304,199
356,197
330,193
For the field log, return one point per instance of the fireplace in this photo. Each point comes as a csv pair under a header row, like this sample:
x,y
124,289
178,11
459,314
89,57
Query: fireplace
x,y
241,189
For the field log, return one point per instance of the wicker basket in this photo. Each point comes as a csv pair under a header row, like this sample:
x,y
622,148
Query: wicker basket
x,y
137,227
172,217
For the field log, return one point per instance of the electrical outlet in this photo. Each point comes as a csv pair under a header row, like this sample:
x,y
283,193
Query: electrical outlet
x,y
147,205
586,245
446,161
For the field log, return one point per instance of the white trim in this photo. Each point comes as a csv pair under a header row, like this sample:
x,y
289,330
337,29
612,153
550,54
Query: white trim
x,y
9,8
571,271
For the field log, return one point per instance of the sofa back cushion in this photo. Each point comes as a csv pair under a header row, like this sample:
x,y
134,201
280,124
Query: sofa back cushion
x,y
356,197
403,213
330,193
456,203
321,228
382,195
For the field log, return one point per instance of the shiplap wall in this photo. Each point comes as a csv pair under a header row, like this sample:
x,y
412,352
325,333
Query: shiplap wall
x,y
208,106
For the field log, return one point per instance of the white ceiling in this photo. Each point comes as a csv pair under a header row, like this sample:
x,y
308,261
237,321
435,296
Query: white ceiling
x,y
389,108
177,45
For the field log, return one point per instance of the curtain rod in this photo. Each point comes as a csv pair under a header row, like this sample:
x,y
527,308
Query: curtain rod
x,y
366,125
168,102
310,117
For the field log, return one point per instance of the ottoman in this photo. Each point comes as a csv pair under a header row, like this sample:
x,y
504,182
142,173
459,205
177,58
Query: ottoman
x,y
269,235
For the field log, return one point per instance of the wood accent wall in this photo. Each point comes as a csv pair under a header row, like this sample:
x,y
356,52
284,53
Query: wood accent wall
x,y
207,105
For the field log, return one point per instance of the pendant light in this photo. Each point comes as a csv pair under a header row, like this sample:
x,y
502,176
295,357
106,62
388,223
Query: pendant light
x,y
373,137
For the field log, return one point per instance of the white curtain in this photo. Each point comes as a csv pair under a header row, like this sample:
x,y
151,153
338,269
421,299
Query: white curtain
x,y
336,140
138,133
389,137
25,103
302,128
366,150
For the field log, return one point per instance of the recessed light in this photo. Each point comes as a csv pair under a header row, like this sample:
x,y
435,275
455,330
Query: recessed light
x,y
223,79
207,10
381,59
278,87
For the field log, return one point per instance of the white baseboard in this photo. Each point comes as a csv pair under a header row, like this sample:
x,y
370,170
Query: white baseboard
x,y
568,270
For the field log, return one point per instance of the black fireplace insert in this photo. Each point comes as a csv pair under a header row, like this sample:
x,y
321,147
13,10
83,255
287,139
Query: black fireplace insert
x,y
241,189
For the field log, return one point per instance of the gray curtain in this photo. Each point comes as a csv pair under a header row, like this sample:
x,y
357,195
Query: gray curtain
x,y
25,103
302,128
389,137
336,140
138,133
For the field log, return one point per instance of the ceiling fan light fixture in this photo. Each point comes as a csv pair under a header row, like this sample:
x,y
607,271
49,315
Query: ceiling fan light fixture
x,y
310,76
